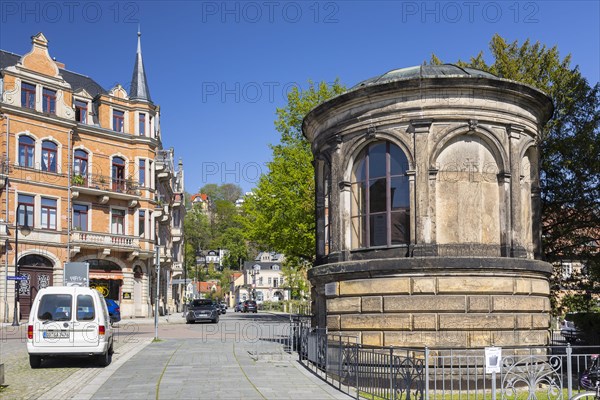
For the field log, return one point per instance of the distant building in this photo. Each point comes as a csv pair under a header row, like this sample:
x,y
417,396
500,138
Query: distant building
x,y
262,280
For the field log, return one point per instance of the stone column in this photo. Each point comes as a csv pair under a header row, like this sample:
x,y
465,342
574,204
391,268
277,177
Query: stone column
x,y
420,182
517,246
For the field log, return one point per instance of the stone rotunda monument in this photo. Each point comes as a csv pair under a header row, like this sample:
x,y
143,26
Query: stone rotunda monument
x,y
428,210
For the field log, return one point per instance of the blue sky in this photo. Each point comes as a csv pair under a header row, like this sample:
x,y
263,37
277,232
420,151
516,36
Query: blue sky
x,y
220,69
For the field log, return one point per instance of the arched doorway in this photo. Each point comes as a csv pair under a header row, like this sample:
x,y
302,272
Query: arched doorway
x,y
106,277
38,271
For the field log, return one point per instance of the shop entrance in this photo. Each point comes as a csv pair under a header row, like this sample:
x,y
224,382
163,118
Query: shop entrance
x,y
38,271
107,278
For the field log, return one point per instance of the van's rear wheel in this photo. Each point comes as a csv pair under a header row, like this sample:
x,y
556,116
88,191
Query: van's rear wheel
x,y
35,361
104,359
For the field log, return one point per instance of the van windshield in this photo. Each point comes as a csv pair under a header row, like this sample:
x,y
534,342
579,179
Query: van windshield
x,y
55,307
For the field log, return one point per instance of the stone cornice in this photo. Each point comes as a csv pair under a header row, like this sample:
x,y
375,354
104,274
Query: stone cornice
x,y
449,265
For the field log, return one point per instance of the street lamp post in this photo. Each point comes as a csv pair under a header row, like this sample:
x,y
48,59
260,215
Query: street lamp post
x,y
25,230
184,280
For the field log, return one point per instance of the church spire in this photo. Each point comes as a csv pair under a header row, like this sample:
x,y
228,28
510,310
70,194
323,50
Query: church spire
x,y
139,86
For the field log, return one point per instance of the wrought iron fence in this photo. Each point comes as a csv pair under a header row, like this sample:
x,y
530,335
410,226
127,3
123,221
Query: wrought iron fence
x,y
551,372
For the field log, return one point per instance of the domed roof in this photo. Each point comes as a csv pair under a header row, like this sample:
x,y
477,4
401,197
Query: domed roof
x,y
424,71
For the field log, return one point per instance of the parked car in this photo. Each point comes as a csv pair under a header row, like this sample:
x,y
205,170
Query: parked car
x,y
223,308
202,310
69,321
568,329
239,307
250,306
114,311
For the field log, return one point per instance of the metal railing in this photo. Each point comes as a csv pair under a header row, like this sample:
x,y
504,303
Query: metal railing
x,y
107,183
550,372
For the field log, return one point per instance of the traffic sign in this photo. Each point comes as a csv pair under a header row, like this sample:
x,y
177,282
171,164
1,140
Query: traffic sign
x,y
16,278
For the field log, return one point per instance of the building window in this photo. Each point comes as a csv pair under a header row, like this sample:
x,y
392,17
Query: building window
x,y
80,165
26,204
566,270
80,217
142,223
260,281
26,151
118,120
49,152
49,101
142,173
269,281
118,174
275,282
380,197
275,267
152,130
142,124
28,95
81,111
48,213
117,222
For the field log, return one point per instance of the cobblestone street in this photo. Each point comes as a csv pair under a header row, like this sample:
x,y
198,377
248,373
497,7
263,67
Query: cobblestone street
x,y
59,378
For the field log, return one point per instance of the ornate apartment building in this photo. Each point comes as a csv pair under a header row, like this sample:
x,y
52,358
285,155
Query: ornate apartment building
x,y
85,178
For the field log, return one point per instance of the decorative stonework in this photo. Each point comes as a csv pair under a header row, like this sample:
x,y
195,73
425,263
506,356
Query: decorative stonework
x,y
433,229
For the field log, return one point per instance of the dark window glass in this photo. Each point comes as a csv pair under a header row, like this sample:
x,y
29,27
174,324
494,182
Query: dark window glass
x,y
49,101
142,125
118,174
118,222
48,213
142,222
381,208
81,111
85,308
49,155
142,173
27,95
80,164
55,307
118,120
80,217
26,151
26,205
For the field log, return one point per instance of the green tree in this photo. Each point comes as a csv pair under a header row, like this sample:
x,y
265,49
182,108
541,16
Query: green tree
x,y
570,150
280,211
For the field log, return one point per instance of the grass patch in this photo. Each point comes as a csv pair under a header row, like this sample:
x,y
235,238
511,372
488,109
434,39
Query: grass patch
x,y
157,340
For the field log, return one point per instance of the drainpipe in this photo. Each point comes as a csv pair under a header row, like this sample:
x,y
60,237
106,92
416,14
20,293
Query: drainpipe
x,y
69,161
6,191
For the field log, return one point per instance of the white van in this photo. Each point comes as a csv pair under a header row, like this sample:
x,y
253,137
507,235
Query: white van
x,y
69,321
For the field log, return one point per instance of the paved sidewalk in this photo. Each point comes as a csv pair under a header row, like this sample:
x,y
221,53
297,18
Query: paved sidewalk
x,y
211,369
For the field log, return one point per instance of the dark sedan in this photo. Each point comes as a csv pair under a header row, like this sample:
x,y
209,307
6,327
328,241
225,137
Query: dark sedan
x,y
202,310
250,306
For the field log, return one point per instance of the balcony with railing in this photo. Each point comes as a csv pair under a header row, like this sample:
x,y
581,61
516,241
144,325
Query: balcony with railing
x,y
163,164
108,242
105,187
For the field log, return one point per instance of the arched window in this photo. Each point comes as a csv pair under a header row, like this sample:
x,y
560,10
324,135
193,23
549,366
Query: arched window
x,y
26,151
49,156
80,165
118,174
380,197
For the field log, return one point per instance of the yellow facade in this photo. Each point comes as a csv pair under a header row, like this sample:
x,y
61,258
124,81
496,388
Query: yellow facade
x,y
96,192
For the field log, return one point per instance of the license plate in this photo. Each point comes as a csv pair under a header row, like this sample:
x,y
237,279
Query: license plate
x,y
56,334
